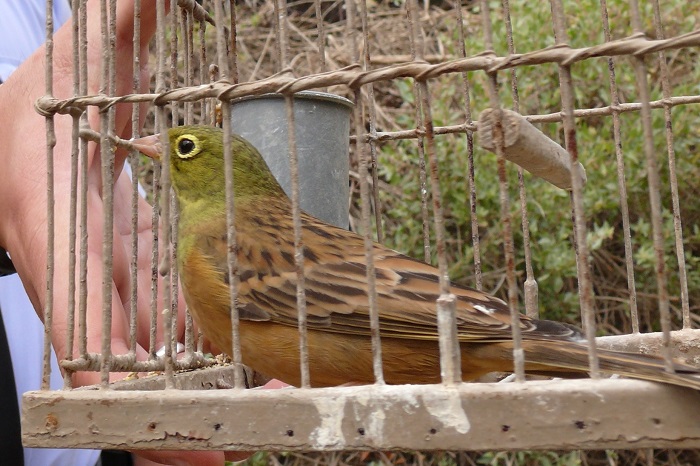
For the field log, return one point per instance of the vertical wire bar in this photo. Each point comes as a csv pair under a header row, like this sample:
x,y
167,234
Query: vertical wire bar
x,y
188,33
321,36
134,164
621,182
530,286
82,292
222,61
234,43
166,265
417,53
450,357
157,182
372,125
213,77
476,244
164,196
111,120
584,271
158,188
174,76
202,68
112,70
351,31
239,378
185,26
298,243
107,170
155,232
189,324
177,16
174,281
673,179
226,110
423,179
507,229
296,209
654,194
75,154
281,31
365,213
368,243
189,42
50,259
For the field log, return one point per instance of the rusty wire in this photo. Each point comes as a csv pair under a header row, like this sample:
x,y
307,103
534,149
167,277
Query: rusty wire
x,y
82,293
75,153
621,183
107,170
358,78
353,76
474,223
506,228
366,224
654,182
530,286
583,270
417,54
50,258
223,68
134,164
450,357
673,180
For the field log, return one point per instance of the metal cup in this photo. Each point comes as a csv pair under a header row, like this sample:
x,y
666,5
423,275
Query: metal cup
x,y
323,136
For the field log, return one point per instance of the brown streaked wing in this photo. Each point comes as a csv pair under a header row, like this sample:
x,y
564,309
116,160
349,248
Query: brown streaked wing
x,y
336,283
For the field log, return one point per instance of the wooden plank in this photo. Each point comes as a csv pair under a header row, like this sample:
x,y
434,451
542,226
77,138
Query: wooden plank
x,y
685,344
563,414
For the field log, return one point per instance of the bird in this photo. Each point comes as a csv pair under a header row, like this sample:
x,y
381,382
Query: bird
x,y
336,288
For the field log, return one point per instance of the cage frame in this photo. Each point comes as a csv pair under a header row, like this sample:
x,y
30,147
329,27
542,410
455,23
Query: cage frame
x,y
54,419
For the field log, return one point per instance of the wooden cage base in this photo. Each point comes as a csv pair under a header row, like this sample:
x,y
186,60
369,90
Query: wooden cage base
x,y
559,414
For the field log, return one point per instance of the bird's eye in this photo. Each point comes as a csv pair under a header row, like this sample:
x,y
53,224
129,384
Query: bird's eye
x,y
187,146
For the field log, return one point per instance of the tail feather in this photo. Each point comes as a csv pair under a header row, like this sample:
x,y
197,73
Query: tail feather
x,y
566,357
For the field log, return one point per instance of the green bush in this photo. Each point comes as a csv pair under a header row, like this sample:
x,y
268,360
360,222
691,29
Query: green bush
x,y
549,208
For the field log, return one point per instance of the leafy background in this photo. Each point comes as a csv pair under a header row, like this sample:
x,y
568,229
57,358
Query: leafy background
x,y
548,208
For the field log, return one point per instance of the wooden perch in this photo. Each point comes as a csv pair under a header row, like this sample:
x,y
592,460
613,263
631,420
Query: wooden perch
x,y
528,147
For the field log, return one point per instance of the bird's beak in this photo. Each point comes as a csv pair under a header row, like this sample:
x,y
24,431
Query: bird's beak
x,y
149,146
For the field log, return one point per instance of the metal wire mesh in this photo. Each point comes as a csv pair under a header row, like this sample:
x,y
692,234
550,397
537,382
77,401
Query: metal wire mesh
x,y
305,64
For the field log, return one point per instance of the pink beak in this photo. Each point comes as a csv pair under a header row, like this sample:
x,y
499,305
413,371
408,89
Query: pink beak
x,y
149,146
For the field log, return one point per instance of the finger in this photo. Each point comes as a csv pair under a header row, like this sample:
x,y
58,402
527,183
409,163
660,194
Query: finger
x,y
183,458
237,455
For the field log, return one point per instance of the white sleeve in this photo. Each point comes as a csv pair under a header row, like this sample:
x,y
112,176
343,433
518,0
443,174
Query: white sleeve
x,y
22,25
25,336
22,29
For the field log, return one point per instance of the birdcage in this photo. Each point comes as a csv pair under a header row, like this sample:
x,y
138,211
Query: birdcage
x,y
433,86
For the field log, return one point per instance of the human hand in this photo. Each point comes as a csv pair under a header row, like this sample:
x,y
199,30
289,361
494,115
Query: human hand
x,y
24,185
23,210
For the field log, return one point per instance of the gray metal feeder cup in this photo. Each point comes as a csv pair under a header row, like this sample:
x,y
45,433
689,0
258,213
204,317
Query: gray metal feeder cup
x,y
323,136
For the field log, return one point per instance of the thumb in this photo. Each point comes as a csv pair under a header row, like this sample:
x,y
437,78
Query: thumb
x,y
181,458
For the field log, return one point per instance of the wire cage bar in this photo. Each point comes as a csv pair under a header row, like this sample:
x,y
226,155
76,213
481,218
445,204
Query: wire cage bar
x,y
197,75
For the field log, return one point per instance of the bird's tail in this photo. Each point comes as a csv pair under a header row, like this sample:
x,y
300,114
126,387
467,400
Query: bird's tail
x,y
554,357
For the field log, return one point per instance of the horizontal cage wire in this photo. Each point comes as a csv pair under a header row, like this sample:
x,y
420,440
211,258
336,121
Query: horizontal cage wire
x,y
473,136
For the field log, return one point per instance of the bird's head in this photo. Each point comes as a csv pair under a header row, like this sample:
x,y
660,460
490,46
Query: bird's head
x,y
197,164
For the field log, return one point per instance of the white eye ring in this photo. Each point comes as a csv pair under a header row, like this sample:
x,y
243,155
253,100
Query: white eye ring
x,y
187,146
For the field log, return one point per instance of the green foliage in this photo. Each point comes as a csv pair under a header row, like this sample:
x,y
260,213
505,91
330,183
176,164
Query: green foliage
x,y
549,208
260,458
